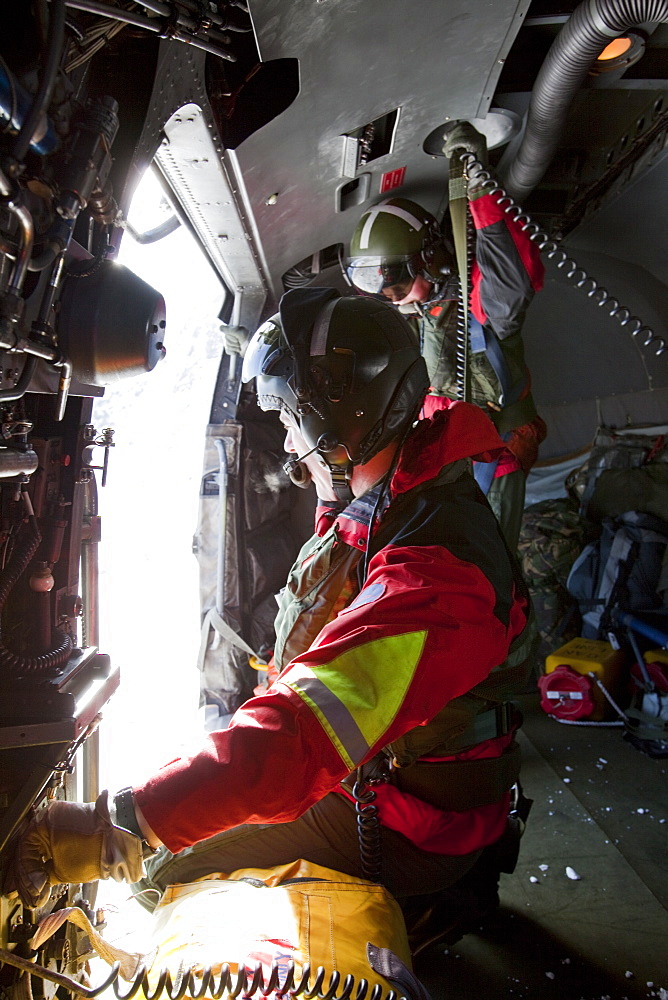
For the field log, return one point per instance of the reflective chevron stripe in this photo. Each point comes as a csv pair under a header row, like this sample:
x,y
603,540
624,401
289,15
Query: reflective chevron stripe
x,y
334,717
356,695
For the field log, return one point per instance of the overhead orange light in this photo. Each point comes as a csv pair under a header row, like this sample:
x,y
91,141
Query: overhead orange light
x,y
619,54
615,49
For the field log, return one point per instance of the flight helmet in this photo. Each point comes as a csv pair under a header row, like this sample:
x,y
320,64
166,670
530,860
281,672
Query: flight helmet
x,y
348,369
394,243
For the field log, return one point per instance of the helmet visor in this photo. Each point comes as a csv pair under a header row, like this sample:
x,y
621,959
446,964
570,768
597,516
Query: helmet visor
x,y
266,355
371,275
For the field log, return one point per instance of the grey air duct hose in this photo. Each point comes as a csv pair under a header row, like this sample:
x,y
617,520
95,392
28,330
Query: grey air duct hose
x,y
579,43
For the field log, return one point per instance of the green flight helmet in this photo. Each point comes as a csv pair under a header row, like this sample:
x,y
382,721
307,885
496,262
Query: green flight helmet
x,y
394,242
348,368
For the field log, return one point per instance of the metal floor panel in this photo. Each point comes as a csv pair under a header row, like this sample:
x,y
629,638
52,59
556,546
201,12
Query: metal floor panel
x,y
603,935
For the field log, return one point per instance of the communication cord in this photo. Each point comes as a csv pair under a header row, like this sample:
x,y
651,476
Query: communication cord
x,y
554,252
204,983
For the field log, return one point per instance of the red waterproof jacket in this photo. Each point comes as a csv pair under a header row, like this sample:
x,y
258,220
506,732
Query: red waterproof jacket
x,y
506,273
437,614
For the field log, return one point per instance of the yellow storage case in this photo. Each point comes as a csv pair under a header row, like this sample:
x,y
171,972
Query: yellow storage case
x,y
592,656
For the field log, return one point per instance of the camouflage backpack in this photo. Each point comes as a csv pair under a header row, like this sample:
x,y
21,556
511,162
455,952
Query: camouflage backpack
x,y
553,534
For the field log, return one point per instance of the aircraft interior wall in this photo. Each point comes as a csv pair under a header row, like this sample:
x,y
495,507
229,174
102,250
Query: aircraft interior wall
x,y
586,368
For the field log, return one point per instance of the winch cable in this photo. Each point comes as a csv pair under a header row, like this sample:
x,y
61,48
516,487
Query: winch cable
x,y
553,252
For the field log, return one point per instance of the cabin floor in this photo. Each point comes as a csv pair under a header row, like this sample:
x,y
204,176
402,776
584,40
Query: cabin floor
x,y
600,810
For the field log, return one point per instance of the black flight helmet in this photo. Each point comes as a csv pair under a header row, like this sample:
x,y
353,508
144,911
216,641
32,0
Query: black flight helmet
x,y
349,369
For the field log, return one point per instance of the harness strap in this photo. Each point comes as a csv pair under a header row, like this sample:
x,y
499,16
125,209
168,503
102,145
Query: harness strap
x,y
521,412
515,411
496,358
214,620
488,725
460,784
483,473
479,782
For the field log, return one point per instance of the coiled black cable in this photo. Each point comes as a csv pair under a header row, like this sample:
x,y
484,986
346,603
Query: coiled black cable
x,y
201,983
462,374
20,663
24,551
368,829
554,252
209,985
462,351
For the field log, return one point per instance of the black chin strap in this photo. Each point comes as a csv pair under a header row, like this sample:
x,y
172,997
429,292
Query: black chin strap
x,y
341,485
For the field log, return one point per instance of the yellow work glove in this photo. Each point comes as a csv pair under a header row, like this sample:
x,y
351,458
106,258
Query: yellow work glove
x,y
73,842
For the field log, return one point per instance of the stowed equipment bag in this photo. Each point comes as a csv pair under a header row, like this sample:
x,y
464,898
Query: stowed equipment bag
x,y
623,471
297,913
624,569
552,537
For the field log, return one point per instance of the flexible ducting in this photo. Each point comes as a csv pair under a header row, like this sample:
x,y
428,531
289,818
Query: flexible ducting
x,y
579,43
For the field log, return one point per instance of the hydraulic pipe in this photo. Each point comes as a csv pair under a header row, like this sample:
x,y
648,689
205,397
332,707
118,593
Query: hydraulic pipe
x,y
24,380
24,251
34,118
141,21
165,228
15,103
64,383
90,754
90,566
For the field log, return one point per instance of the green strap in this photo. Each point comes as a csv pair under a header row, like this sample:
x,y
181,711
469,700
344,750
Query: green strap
x,y
458,195
461,784
488,725
214,620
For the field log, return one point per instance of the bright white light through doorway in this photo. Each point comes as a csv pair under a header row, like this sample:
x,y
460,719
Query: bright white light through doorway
x,y
149,596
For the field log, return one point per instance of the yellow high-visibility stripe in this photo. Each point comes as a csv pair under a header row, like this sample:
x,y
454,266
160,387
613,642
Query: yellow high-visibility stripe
x,y
356,695
306,686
